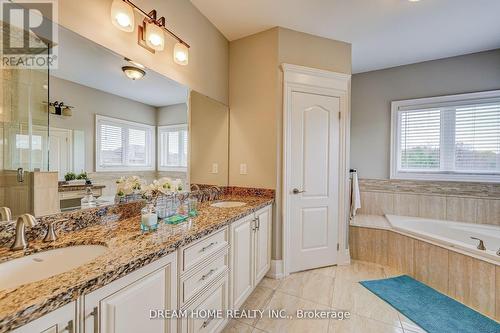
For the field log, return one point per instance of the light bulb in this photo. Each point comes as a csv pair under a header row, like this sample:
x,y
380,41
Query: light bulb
x,y
155,38
181,54
122,15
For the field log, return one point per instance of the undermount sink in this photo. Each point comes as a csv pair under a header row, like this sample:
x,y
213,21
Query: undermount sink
x,y
228,204
42,265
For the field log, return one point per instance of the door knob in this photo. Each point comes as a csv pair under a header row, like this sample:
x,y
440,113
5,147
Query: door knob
x,y
297,191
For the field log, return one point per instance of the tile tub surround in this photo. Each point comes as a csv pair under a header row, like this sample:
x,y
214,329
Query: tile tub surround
x,y
471,281
129,250
453,201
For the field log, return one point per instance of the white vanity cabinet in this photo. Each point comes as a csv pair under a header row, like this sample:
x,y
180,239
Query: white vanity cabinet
x,y
62,320
263,221
250,254
217,272
124,305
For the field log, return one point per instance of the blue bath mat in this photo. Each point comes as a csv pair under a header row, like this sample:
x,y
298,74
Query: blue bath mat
x,y
428,308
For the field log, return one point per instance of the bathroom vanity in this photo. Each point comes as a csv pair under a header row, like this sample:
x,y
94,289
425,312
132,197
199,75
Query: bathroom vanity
x,y
213,265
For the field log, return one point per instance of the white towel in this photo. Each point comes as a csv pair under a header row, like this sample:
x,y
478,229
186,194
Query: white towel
x,y
355,196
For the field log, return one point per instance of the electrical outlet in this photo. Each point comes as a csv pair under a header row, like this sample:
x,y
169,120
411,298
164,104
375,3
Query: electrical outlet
x,y
243,169
215,168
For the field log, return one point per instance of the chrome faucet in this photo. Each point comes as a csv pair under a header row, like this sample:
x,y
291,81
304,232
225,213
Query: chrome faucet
x,y
214,193
25,220
480,246
5,214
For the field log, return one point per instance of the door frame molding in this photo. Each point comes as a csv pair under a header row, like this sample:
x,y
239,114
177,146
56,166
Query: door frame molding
x,y
316,81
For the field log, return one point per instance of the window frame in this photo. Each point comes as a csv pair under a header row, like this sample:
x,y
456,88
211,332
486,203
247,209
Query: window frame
x,y
150,145
161,129
435,102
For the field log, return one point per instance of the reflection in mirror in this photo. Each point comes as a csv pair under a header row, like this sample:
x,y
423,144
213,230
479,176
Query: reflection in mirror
x,y
96,117
209,137
101,125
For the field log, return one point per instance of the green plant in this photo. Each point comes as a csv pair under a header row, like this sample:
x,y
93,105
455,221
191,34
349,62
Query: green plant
x,y
70,176
83,175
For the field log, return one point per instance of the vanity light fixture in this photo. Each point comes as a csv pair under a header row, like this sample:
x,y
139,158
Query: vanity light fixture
x,y
122,15
181,54
133,73
151,33
154,37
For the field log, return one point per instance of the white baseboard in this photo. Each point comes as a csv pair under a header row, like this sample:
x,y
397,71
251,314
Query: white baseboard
x,y
276,270
344,258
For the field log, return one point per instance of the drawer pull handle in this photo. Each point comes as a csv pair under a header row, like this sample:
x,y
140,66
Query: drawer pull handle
x,y
208,246
204,277
69,327
95,314
207,322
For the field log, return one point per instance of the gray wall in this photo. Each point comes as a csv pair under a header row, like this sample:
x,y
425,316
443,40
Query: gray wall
x,y
373,92
172,115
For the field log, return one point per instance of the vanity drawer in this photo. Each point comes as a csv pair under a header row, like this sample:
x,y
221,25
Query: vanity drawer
x,y
214,298
200,251
196,282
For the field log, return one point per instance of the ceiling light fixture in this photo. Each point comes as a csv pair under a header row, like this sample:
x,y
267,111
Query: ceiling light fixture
x,y
135,63
151,33
133,73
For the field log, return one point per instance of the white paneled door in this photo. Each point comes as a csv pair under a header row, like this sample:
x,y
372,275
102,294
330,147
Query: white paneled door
x,y
314,176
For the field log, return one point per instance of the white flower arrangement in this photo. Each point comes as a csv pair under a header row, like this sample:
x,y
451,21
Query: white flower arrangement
x,y
129,185
134,185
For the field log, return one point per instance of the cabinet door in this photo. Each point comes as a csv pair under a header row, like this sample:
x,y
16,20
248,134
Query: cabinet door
x,y
242,238
61,320
127,311
124,305
262,243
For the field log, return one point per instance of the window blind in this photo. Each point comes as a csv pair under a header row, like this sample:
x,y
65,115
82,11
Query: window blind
x,y
477,138
449,139
173,146
123,145
420,140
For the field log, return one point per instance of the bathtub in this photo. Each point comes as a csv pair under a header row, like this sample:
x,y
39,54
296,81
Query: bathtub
x,y
454,235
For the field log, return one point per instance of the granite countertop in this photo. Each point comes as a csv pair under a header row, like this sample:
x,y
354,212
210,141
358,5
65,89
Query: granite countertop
x,y
70,187
129,250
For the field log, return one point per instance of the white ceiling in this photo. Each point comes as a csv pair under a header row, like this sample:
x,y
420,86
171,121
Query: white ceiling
x,y
87,63
383,33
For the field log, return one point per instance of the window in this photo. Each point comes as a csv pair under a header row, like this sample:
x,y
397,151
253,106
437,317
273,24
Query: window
x,y
173,145
447,138
123,145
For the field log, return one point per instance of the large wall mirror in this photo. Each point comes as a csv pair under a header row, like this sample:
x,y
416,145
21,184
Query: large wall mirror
x,y
96,117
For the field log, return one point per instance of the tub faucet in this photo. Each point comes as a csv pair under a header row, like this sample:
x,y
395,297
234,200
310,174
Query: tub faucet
x,y
25,220
480,246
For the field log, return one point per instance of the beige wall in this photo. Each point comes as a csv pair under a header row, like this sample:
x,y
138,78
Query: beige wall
x,y
88,102
372,93
253,93
172,115
303,49
255,99
209,135
207,71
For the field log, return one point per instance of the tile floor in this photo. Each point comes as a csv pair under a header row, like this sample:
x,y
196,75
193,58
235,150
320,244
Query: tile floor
x,y
325,288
